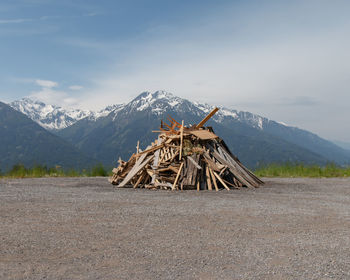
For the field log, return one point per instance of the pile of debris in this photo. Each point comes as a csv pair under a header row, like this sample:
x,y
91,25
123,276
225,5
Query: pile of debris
x,y
184,158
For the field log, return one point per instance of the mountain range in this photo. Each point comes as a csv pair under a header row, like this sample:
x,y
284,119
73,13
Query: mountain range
x,y
24,141
113,132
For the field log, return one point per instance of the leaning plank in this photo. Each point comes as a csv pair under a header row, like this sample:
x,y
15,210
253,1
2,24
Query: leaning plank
x,y
214,179
208,179
221,181
177,176
137,167
139,180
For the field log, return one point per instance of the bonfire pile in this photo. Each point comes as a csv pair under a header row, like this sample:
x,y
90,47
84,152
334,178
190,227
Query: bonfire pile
x,y
184,158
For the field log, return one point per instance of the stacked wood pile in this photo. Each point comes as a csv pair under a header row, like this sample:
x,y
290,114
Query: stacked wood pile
x,y
184,158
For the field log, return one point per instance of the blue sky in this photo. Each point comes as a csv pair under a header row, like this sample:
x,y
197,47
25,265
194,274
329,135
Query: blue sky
x,y
286,60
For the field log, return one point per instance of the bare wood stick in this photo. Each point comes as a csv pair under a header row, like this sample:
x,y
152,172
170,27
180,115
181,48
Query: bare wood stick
x,y
221,181
214,179
139,180
138,147
177,176
181,138
210,188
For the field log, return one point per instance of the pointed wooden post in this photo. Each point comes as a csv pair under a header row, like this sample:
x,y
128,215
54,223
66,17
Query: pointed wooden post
x,y
181,138
138,147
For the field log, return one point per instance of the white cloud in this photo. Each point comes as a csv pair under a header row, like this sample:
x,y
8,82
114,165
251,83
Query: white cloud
x,y
76,87
16,20
46,83
54,97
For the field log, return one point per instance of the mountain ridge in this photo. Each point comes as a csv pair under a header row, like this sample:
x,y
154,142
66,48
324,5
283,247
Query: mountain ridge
x,y
24,141
101,135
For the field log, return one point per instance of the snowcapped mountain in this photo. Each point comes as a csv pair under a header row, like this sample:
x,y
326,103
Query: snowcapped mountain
x,y
52,117
115,129
161,102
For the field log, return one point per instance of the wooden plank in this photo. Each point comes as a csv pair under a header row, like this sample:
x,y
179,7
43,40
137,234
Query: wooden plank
x,y
156,158
177,176
194,163
203,134
221,181
210,188
151,149
141,163
181,138
211,163
214,179
202,122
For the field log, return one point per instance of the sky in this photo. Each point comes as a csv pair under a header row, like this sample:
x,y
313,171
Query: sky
x,y
285,60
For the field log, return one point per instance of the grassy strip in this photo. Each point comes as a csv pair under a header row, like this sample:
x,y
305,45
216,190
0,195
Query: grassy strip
x,y
301,170
38,171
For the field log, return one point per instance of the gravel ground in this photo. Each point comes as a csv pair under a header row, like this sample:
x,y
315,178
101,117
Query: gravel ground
x,y
83,228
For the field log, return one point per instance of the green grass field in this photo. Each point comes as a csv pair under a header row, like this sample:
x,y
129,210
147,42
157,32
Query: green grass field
x,y
272,170
301,170
20,171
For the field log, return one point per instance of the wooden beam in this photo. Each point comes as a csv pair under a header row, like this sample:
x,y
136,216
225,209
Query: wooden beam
x,y
207,118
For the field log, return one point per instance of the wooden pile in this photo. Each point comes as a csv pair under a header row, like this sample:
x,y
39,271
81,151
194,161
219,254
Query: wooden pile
x,y
184,158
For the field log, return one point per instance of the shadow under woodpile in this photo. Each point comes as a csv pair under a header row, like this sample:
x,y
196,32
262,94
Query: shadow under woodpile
x,y
184,158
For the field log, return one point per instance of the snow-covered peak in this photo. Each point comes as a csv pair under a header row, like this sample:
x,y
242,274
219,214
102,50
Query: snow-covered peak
x,y
158,102
54,118
49,116
106,111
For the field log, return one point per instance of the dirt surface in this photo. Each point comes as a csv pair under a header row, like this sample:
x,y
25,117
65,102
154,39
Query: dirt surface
x,y
83,228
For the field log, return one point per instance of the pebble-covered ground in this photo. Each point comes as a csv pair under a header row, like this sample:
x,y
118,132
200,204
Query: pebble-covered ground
x,y
83,228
